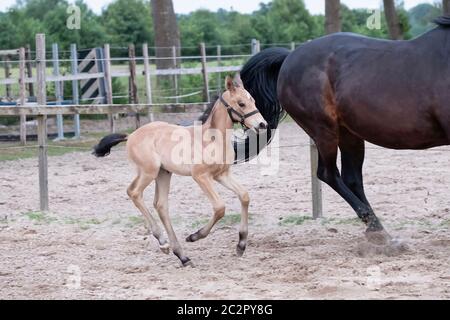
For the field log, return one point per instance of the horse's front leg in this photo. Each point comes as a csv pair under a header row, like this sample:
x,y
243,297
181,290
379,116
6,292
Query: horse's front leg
x,y
230,183
205,181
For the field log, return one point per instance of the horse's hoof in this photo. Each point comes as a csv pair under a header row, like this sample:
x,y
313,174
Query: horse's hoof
x,y
379,238
193,237
240,250
165,248
396,247
392,248
187,263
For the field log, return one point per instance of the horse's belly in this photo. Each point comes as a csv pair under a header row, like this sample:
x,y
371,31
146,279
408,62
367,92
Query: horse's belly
x,y
398,134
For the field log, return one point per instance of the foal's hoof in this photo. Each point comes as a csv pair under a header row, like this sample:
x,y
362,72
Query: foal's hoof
x,y
193,237
186,262
165,248
240,250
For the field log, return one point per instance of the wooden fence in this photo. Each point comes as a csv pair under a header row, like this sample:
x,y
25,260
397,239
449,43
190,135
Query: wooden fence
x,y
42,110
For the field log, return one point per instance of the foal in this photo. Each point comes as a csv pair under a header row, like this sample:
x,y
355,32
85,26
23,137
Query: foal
x,y
206,154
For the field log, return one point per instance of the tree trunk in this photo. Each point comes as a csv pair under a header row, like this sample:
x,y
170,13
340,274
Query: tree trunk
x,y
395,29
446,7
167,34
332,16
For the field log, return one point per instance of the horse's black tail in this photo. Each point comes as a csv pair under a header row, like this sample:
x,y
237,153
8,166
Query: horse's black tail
x,y
103,148
259,76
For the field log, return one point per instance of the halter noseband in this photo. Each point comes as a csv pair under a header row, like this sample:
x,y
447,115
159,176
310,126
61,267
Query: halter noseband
x,y
230,110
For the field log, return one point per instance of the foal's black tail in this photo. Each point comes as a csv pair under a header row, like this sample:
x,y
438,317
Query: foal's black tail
x,y
260,76
104,146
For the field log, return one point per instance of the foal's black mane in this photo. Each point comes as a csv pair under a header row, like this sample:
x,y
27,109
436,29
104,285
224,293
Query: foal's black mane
x,y
443,21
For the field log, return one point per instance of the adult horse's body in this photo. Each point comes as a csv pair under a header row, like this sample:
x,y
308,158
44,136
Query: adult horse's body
x,y
344,89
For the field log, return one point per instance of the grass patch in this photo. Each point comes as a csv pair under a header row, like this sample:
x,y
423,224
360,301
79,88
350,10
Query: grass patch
x,y
294,220
227,220
199,223
54,148
445,223
230,219
83,224
134,221
40,217
341,221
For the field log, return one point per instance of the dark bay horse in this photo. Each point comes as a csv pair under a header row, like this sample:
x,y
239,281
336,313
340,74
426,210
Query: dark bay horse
x,y
344,89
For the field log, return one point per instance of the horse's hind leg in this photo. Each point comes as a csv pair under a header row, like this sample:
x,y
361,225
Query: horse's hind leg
x,y
206,184
230,183
135,192
352,160
329,173
161,204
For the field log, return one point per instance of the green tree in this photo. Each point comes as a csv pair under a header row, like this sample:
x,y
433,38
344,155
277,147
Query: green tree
x,y
285,21
128,21
200,26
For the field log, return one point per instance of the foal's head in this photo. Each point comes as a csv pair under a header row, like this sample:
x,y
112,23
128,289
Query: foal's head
x,y
241,105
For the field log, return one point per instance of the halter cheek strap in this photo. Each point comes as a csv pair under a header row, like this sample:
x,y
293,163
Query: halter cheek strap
x,y
231,111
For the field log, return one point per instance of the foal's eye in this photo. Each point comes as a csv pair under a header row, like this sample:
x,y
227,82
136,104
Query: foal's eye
x,y
241,104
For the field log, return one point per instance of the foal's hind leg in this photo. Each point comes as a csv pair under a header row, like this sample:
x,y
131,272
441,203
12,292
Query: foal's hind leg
x,y
206,184
135,192
352,160
230,183
161,204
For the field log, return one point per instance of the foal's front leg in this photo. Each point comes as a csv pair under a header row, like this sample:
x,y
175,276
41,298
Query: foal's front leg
x,y
161,204
230,183
205,182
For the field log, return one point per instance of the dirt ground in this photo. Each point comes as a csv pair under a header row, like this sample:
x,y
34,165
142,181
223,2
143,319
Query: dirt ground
x,y
93,245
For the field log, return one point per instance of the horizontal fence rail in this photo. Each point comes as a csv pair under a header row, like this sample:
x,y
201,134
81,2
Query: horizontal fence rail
x,y
101,109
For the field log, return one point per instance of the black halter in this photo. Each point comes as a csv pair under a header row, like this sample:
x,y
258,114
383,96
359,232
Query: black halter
x,y
230,110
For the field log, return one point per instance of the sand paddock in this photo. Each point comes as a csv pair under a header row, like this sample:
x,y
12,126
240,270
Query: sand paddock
x,y
94,231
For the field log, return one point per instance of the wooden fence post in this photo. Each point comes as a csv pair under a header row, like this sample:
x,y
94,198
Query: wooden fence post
x,y
7,66
108,84
42,121
148,82
29,70
58,91
22,91
219,63
75,93
204,73
316,185
253,46
175,77
292,46
133,82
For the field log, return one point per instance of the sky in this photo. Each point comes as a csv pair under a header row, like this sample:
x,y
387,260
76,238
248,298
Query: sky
x,y
244,6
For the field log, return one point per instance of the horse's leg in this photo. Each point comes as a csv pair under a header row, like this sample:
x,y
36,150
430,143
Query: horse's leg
x,y
327,145
135,192
206,184
230,183
352,160
161,204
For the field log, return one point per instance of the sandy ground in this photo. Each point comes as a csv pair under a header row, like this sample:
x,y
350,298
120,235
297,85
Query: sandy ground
x,y
93,245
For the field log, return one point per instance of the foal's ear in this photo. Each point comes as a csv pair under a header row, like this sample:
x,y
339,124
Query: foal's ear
x,y
229,84
237,80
